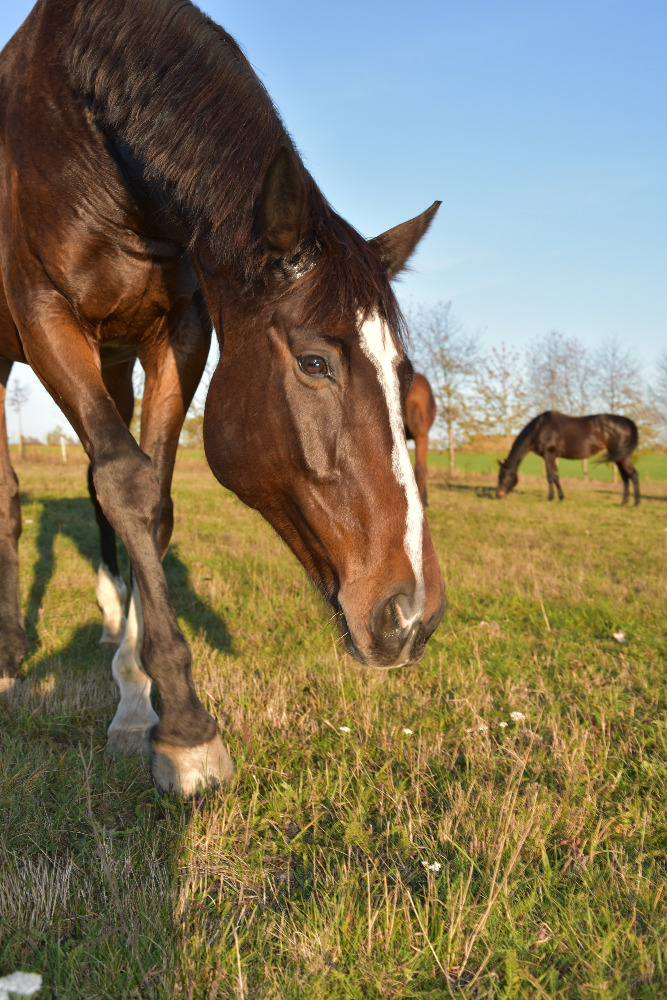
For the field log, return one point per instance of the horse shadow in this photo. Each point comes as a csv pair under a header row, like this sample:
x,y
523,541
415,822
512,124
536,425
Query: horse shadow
x,y
74,518
485,492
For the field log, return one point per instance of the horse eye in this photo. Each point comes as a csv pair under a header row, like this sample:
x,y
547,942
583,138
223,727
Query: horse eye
x,y
313,364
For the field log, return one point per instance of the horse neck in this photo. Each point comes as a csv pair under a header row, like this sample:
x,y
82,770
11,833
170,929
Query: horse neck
x,y
523,443
178,93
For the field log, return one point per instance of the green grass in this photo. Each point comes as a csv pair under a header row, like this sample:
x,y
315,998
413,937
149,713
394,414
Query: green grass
x,y
309,877
651,466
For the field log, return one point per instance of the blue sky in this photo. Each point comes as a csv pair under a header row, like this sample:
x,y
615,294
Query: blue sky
x,y
542,127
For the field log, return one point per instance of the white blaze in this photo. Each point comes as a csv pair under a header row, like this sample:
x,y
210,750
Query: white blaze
x,y
378,345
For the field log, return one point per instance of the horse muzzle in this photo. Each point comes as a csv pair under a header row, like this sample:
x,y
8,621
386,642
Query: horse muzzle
x,y
396,633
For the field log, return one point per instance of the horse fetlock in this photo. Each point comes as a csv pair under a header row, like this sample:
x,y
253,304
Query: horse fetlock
x,y
135,717
128,741
13,650
111,594
7,683
185,770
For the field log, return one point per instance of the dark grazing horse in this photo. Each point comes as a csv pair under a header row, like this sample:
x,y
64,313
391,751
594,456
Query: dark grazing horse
x,y
554,435
149,190
419,415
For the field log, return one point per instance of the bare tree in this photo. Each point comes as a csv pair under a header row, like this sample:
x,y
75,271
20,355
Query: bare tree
x,y
658,395
17,398
447,355
617,380
501,403
560,374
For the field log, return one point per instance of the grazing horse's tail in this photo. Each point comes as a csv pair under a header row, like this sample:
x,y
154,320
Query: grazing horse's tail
x,y
622,439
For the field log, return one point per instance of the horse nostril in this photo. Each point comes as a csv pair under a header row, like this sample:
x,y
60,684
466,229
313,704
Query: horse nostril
x,y
393,620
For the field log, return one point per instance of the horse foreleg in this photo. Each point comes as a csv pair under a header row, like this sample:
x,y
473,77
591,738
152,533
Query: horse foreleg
x,y
13,641
110,589
187,750
135,717
626,483
181,760
628,472
552,476
561,495
550,483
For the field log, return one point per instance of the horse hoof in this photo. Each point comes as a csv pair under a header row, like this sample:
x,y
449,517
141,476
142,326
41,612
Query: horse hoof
x,y
186,769
128,742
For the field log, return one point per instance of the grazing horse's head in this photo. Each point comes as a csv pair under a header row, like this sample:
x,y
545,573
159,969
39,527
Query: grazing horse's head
x,y
304,416
507,480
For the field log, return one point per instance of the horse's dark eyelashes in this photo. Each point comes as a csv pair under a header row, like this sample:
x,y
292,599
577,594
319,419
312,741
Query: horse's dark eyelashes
x,y
314,365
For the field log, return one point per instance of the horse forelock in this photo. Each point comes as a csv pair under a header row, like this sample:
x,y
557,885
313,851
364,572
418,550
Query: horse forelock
x,y
348,279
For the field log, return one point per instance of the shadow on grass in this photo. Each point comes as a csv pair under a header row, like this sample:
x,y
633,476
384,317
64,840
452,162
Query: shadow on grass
x,y
73,517
90,853
485,492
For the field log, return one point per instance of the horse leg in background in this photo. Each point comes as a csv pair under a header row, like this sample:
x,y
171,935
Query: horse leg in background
x,y
552,475
421,453
628,473
110,589
625,478
13,641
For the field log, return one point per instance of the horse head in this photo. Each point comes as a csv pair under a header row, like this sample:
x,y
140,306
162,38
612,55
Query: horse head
x,y
304,416
507,480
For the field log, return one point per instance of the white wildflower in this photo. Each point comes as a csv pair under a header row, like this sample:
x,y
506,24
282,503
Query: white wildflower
x,y
503,725
468,730
619,636
435,867
517,716
482,728
23,984
408,732
345,729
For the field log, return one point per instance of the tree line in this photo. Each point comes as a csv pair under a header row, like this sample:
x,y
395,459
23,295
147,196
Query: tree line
x,y
488,395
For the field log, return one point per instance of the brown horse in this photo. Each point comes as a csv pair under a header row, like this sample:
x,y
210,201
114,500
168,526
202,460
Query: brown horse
x,y
419,415
554,435
147,187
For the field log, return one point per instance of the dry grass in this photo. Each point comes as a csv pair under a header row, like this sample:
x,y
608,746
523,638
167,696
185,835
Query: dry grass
x,y
317,873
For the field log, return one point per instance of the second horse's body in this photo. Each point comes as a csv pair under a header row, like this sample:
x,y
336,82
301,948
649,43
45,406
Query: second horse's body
x,y
554,435
419,415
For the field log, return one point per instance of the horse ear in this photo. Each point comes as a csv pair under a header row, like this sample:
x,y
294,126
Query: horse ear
x,y
283,206
397,245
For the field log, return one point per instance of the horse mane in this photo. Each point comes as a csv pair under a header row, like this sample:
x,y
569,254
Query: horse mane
x,y
181,95
522,443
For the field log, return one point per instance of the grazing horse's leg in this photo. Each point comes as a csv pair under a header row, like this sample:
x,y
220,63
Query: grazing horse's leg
x,y
172,375
13,641
187,749
628,472
549,472
110,589
625,478
421,453
552,475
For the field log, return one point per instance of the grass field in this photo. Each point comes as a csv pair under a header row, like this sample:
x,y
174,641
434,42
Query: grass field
x,y
439,848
